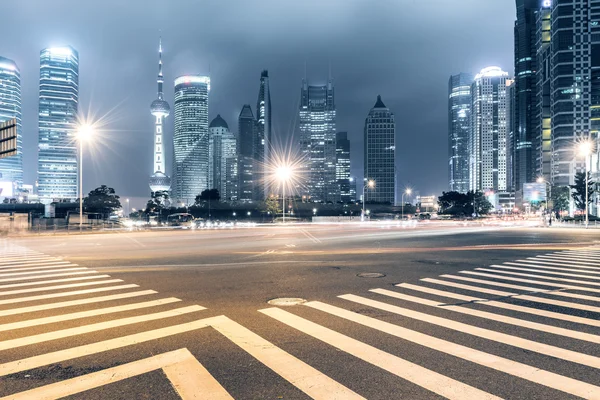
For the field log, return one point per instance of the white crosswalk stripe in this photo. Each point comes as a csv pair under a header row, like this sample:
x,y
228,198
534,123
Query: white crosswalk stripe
x,y
549,290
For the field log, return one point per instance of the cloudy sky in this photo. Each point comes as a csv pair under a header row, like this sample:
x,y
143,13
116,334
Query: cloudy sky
x,y
404,50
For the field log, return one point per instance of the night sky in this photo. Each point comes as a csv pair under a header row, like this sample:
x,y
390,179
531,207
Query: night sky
x,y
404,50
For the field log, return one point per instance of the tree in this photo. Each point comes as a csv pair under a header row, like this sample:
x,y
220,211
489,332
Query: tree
x,y
207,195
578,190
482,205
158,202
272,206
560,198
455,203
102,200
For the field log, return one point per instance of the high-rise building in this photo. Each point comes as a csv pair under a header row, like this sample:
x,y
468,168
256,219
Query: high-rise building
x,y
190,140
159,181
58,101
222,156
380,154
11,166
568,52
342,166
317,125
459,126
263,138
245,147
525,168
488,163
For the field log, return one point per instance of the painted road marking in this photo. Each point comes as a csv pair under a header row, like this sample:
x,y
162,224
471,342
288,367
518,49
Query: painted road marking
x,y
189,378
81,278
85,314
42,272
542,270
539,265
65,294
538,276
57,287
21,278
428,379
80,330
533,374
43,266
570,260
3,266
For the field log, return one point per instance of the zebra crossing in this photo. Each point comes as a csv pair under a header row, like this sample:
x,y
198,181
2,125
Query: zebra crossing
x,y
546,307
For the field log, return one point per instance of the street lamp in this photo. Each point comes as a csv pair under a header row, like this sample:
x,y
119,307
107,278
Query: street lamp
x,y
585,150
284,173
127,200
84,133
408,192
549,199
370,185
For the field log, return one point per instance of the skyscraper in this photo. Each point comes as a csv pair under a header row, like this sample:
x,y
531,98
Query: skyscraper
x,y
159,181
380,154
11,168
488,164
58,101
317,127
525,135
459,126
342,166
263,139
190,140
222,164
245,147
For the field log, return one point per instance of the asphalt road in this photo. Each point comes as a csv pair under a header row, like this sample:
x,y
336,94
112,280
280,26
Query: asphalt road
x,y
526,326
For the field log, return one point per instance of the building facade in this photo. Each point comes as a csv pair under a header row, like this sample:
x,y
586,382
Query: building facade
x,y
160,110
263,142
245,149
58,107
459,127
488,163
380,154
317,132
190,139
526,167
222,155
11,164
342,166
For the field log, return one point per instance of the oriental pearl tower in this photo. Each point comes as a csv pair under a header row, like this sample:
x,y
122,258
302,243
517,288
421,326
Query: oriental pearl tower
x,y
160,109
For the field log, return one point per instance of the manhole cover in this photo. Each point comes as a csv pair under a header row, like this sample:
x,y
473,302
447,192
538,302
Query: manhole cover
x,y
286,301
370,275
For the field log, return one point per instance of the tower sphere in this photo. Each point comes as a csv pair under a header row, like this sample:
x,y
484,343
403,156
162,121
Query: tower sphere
x,y
160,108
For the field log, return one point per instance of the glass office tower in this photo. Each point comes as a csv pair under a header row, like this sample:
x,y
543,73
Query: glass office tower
x,y
459,126
11,168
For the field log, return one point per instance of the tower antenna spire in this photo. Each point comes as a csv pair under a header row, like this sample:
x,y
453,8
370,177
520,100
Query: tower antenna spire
x,y
160,79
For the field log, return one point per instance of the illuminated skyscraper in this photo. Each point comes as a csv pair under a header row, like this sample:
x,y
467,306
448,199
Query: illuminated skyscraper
x,y
263,139
380,154
222,163
317,127
342,166
488,141
11,168
190,140
459,126
245,148
160,109
57,148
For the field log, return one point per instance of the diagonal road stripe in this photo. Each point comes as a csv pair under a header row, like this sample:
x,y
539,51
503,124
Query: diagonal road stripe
x,y
65,294
25,278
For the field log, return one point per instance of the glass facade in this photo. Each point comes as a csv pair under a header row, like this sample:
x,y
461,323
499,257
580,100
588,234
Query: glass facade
x,y
342,166
190,140
459,126
317,127
11,167
263,140
57,147
245,147
380,154
222,155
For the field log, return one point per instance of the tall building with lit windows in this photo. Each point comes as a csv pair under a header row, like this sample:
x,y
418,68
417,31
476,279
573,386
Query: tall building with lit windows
x,y
222,160
380,154
459,126
11,167
488,139
245,148
342,166
317,131
190,139
58,104
263,137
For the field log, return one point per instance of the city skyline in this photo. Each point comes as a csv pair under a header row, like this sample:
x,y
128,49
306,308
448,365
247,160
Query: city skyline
x,y
235,86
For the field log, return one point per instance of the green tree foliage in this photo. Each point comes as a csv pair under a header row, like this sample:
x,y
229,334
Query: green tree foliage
x,y
157,203
102,200
578,190
272,205
461,204
561,195
207,195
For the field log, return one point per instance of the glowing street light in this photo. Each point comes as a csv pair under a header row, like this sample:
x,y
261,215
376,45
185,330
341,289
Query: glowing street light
x,y
369,185
408,192
85,133
283,174
585,150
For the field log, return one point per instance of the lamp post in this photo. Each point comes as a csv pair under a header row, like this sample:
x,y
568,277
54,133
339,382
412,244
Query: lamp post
x,y
84,133
408,192
549,192
369,185
127,200
284,173
585,149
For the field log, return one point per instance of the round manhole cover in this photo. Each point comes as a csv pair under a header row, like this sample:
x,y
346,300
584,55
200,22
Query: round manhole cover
x,y
286,301
370,275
